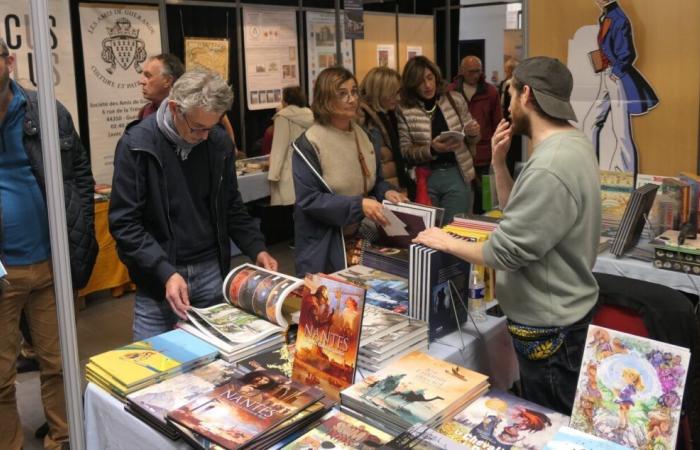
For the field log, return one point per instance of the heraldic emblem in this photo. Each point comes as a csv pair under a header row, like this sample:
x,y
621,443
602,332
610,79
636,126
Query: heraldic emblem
x,y
123,47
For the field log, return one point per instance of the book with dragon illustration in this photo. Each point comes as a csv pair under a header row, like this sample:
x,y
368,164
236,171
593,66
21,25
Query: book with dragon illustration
x,y
342,432
630,389
416,388
501,421
328,338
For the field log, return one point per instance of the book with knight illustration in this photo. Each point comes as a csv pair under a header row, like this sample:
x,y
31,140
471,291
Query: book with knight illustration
x,y
329,333
630,389
501,421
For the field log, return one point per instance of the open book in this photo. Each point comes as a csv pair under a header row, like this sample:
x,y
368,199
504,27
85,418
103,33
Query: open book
x,y
257,310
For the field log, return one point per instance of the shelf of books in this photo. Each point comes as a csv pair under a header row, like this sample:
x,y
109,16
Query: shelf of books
x,y
278,365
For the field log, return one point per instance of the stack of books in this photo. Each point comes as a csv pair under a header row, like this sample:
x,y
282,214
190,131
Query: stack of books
x,y
143,363
633,220
254,410
387,259
153,403
381,351
384,289
258,308
416,388
340,431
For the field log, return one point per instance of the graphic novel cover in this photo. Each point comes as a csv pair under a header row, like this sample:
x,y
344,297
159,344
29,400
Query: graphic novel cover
x,y
243,409
501,421
143,360
329,333
384,290
570,439
630,389
279,359
342,432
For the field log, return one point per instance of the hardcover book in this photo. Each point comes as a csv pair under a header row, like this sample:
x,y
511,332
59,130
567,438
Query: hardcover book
x,y
501,421
342,432
329,333
279,359
630,389
244,409
384,290
148,359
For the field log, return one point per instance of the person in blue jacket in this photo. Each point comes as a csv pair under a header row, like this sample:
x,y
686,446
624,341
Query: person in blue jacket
x,y
337,177
623,90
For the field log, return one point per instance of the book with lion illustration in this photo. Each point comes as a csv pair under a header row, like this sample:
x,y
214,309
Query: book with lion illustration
x,y
630,389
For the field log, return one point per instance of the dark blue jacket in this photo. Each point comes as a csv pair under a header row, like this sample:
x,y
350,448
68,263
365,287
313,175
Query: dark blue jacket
x,y
618,47
320,215
139,212
78,185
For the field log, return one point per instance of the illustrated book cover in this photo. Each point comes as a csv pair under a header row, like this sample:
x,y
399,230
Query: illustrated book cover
x,y
384,289
571,439
342,432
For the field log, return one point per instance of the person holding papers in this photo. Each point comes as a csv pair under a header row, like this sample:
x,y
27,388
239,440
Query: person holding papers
x,y
446,161
546,244
337,177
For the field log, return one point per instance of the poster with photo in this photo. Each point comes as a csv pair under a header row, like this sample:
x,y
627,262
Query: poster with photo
x,y
117,40
205,53
271,55
386,55
354,19
320,46
412,52
17,32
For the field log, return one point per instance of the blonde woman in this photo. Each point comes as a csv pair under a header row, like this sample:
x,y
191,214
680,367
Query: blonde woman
x,y
380,96
337,177
427,110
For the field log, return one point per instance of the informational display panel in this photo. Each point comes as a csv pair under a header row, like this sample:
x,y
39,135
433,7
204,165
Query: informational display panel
x,y
320,46
15,28
117,40
271,54
205,53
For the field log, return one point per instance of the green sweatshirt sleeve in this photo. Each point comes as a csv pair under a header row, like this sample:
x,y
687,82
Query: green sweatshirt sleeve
x,y
540,212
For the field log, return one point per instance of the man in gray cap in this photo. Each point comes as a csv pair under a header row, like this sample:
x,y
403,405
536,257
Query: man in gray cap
x,y
545,246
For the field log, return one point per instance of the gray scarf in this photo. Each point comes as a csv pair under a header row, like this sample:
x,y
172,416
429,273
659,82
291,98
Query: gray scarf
x,y
166,125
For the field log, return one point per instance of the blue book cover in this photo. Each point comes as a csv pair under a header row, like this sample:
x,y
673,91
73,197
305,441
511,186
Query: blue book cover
x,y
182,346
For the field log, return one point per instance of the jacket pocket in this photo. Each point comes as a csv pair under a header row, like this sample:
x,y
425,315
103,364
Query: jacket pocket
x,y
67,144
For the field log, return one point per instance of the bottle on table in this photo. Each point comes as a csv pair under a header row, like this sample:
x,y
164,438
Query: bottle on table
x,y
477,307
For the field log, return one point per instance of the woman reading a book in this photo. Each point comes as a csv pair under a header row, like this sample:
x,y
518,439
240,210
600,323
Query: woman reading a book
x,y
337,177
444,161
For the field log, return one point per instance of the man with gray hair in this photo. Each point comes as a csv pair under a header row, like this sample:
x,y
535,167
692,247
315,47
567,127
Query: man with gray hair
x,y
175,204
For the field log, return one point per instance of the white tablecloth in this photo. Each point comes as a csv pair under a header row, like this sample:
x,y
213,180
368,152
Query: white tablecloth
x,y
643,270
253,186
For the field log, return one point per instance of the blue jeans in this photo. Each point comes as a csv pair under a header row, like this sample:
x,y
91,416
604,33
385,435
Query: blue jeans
x,y
552,382
153,316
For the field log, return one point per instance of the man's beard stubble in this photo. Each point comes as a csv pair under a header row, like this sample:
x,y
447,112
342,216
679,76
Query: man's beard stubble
x,y
520,124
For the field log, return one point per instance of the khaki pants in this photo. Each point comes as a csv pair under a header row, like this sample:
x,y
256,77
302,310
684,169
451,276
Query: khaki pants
x,y
31,288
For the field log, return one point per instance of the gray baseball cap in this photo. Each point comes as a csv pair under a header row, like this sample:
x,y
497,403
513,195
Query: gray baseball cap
x,y
551,82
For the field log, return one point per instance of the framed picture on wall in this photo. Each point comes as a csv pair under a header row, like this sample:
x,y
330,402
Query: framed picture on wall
x,y
207,53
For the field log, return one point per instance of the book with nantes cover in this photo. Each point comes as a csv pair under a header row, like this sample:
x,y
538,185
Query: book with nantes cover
x,y
328,338
243,410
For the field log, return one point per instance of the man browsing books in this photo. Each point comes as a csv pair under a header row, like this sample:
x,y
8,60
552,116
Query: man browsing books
x,y
545,246
175,204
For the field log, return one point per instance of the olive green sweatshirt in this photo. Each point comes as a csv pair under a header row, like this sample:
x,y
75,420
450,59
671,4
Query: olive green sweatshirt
x,y
546,244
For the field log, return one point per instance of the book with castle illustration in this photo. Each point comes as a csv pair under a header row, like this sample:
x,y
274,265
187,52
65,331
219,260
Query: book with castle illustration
x,y
258,307
340,431
501,421
328,338
416,388
630,389
243,410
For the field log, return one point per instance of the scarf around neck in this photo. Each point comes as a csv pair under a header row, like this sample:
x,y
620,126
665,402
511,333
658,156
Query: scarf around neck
x,y
166,125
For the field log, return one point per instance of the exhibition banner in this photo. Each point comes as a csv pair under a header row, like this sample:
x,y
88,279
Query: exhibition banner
x,y
117,40
205,53
271,55
16,29
320,46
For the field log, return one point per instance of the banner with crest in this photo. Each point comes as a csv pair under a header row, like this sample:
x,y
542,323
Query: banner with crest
x,y
117,40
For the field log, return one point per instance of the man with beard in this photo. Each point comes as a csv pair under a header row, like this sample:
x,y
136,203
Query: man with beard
x,y
25,250
545,246
175,204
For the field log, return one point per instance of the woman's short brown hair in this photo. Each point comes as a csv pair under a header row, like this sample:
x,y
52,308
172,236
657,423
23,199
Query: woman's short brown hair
x,y
293,95
412,77
379,83
326,91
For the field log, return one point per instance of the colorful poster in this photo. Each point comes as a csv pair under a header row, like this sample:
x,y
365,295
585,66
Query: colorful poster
x,y
320,46
117,40
271,54
205,53
630,389
354,19
16,29
386,55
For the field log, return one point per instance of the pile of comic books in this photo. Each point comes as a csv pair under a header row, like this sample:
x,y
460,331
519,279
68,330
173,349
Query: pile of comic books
x,y
258,308
340,431
132,367
416,388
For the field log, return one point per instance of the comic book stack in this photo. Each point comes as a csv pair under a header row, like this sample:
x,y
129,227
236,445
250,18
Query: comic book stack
x,y
143,363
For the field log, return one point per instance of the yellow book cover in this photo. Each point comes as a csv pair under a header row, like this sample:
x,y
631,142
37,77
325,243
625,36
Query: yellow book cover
x,y
487,274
